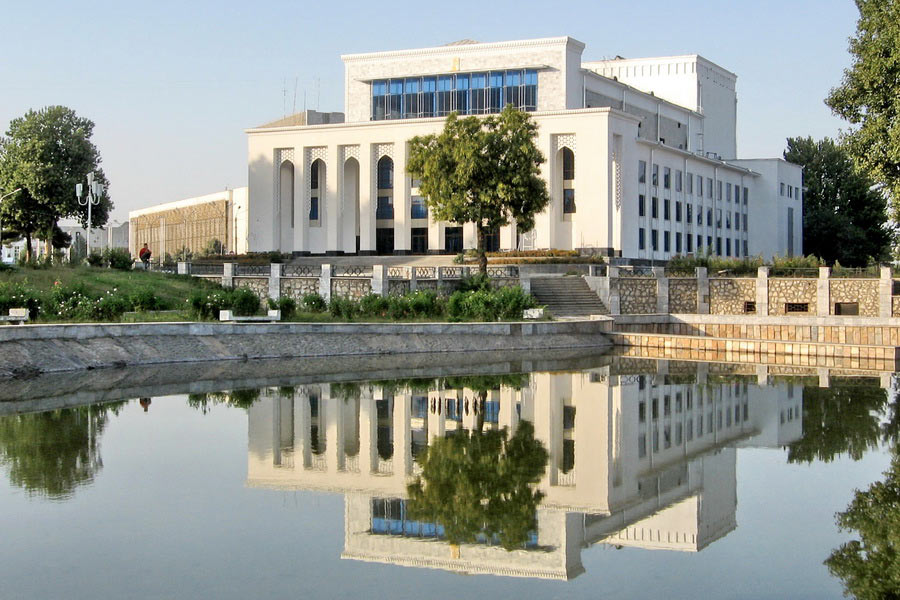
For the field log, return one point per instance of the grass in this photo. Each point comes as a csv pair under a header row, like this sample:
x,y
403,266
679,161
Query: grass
x,y
173,289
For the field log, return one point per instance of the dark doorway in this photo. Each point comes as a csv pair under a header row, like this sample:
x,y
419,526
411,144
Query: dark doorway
x,y
453,239
419,240
384,240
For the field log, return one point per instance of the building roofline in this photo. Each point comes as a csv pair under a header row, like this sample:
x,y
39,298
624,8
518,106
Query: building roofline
x,y
464,49
648,59
700,157
414,121
634,90
184,203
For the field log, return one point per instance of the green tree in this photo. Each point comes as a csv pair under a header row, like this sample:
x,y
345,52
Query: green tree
x,y
46,153
841,419
843,217
870,566
869,95
53,453
482,170
481,483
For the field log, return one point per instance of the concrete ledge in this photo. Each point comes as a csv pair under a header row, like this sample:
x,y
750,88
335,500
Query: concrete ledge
x,y
806,321
27,350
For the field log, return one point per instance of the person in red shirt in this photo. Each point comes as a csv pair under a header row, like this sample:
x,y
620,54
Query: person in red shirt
x,y
144,255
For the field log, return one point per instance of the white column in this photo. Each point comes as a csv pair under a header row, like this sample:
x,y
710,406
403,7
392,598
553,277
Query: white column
x,y
331,203
367,200
401,200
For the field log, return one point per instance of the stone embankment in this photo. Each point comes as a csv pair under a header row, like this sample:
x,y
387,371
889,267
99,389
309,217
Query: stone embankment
x,y
29,350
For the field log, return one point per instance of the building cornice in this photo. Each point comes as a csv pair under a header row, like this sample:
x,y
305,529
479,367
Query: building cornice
x,y
699,157
465,49
634,90
658,59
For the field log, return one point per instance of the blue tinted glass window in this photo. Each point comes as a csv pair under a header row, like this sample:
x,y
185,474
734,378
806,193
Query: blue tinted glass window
x,y
385,173
496,92
418,208
427,104
385,208
531,77
314,208
412,85
461,103
444,83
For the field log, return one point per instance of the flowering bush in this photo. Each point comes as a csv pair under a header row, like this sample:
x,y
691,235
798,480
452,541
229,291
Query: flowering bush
x,y
17,295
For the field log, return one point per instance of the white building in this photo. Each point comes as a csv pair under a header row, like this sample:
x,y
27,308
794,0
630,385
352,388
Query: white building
x,y
641,157
634,460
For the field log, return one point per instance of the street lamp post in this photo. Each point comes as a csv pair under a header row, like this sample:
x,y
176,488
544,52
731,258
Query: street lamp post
x,y
2,198
92,198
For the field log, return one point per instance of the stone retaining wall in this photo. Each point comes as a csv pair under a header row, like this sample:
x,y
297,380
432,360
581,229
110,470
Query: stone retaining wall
x,y
350,287
729,296
792,291
26,350
682,295
637,296
862,291
257,285
297,287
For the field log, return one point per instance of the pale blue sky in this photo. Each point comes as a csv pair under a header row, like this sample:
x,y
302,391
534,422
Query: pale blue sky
x,y
171,86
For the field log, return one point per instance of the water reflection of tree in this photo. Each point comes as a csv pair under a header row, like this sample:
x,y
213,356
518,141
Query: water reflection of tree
x,y
236,398
870,566
842,420
481,483
52,453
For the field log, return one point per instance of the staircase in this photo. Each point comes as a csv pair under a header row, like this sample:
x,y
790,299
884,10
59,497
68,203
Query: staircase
x,y
567,296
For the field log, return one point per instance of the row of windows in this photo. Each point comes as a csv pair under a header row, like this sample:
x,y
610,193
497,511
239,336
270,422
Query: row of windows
x,y
686,183
739,218
688,245
792,191
465,93
384,208
723,418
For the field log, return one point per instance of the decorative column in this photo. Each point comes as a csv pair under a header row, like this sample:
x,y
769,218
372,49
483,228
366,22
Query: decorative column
x,y
762,291
380,282
885,292
228,275
325,283
275,280
612,273
823,304
702,291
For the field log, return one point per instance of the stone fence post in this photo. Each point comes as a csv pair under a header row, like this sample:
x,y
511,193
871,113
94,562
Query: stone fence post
x,y
228,275
325,283
413,285
184,268
762,291
885,292
702,291
275,270
823,292
380,281
612,300
662,290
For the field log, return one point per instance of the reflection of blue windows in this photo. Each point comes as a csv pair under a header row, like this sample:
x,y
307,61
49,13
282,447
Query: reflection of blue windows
x,y
385,208
314,208
465,93
385,173
418,210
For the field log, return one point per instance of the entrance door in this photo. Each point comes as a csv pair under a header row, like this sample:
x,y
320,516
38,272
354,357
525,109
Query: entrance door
x,y
384,240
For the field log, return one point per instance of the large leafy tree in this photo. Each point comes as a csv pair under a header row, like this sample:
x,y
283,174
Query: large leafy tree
x,y
869,95
482,170
476,483
870,565
843,217
46,153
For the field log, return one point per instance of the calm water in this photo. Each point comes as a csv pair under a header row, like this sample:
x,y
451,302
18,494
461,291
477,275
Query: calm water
x,y
624,480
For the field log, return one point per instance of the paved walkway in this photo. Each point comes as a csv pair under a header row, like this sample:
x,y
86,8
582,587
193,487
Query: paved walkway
x,y
419,261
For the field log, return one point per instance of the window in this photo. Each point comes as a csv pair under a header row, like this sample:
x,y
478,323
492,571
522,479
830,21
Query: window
x,y
677,181
690,242
699,215
655,175
709,217
568,164
797,193
654,240
737,247
419,240
678,211
642,171
678,242
418,210
385,207
745,222
667,209
411,97
667,177
666,245
453,239
718,218
749,307
700,185
568,201
444,95
727,246
689,213
427,105
385,173
746,195
314,208
846,308
781,189
719,246
728,191
728,219
642,243
689,182
790,190
654,207
642,208
315,173
745,248
719,191
796,307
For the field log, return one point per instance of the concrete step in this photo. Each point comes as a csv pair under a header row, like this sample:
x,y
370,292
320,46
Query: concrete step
x,y
567,296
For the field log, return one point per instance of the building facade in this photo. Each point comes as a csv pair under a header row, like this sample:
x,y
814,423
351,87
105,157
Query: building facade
x,y
191,224
641,157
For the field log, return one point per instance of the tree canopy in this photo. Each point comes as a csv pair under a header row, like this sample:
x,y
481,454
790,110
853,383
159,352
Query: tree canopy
x,y
843,217
870,565
46,153
482,170
481,483
869,95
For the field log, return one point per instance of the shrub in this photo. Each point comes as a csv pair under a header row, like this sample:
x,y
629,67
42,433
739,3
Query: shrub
x,y
459,258
96,259
372,305
342,308
146,299
287,306
206,304
244,302
489,305
313,303
424,303
118,258
511,301
398,307
17,295
474,283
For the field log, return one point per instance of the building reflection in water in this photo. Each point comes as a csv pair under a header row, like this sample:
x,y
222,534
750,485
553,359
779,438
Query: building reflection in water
x,y
647,461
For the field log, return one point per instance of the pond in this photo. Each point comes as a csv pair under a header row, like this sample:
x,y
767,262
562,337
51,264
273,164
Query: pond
x,y
582,477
